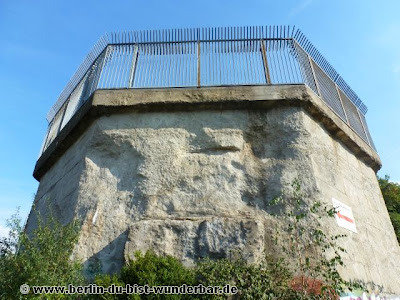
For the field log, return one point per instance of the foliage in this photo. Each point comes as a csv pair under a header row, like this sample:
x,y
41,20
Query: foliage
x,y
152,270
106,281
316,254
270,279
41,258
156,270
391,195
305,268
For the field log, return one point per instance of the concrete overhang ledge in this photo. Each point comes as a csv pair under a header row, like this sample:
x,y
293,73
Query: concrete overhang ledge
x,y
115,101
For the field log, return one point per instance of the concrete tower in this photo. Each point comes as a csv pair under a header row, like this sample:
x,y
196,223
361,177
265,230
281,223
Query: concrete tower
x,y
176,140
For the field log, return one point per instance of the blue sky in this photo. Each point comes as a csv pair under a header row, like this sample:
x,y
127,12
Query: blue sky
x,y
43,42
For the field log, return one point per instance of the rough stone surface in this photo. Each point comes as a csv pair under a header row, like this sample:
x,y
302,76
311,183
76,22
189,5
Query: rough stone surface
x,y
197,183
212,237
108,102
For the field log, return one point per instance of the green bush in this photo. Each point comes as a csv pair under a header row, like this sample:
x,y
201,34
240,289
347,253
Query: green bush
x,y
106,281
270,279
43,258
156,270
299,271
152,270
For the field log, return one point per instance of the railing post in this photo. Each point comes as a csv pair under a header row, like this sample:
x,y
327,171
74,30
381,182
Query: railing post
x,y
47,137
341,102
133,66
362,125
265,60
198,63
99,70
315,77
104,61
63,114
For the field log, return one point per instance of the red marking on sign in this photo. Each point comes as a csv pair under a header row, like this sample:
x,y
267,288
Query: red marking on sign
x,y
345,217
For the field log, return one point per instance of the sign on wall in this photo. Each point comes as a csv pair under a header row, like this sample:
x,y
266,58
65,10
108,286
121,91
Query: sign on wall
x,y
344,215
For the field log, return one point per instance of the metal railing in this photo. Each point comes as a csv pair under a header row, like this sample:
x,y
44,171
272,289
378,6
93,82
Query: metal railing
x,y
207,57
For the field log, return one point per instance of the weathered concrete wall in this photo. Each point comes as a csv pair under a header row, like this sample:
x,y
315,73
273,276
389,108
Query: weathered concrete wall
x,y
195,183
339,174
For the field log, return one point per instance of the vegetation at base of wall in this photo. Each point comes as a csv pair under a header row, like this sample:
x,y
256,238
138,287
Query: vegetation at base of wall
x,y
304,223
42,258
152,270
304,268
268,279
391,195
312,255
312,274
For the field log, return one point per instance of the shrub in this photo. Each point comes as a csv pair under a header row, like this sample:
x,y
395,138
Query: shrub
x,y
43,258
152,270
106,281
305,268
267,280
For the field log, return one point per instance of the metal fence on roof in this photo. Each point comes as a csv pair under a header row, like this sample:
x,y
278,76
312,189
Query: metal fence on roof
x,y
207,57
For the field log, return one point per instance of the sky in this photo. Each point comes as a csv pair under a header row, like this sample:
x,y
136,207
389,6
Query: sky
x,y
42,43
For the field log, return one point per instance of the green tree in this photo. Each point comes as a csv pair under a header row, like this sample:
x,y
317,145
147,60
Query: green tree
x,y
391,195
40,258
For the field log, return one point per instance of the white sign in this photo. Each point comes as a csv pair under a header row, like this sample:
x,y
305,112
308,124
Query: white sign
x,y
344,215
